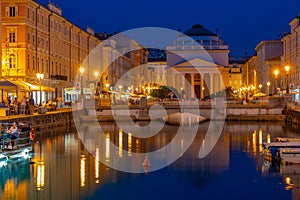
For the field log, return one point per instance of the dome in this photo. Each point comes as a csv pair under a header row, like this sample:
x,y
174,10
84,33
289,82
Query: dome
x,y
198,30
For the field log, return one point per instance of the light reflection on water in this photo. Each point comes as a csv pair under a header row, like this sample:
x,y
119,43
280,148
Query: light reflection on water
x,y
234,169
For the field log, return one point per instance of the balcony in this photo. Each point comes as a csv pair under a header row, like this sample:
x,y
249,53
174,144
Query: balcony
x,y
197,47
59,77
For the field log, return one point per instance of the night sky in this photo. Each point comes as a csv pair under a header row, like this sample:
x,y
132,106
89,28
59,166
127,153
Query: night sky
x,y
241,24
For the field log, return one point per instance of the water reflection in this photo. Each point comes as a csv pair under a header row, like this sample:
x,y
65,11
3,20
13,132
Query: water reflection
x,y
64,169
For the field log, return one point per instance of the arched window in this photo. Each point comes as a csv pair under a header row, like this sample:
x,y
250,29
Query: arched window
x,y
12,61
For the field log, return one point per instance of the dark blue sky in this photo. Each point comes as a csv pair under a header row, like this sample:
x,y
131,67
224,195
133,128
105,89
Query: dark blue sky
x,y
242,24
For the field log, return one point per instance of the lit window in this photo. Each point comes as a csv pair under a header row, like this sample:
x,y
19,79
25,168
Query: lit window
x,y
12,37
12,61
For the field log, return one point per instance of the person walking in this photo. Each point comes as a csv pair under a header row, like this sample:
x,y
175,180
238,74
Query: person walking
x,y
23,105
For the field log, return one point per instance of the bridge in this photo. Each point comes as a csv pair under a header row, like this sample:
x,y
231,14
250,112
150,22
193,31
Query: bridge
x,y
208,110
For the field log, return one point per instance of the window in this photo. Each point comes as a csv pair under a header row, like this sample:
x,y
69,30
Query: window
x,y
12,61
28,61
28,13
33,15
33,39
38,64
12,37
28,37
12,11
47,66
33,64
42,69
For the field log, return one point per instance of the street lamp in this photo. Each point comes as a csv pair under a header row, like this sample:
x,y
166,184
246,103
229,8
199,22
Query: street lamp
x,y
287,69
268,84
107,86
276,72
260,86
40,77
81,70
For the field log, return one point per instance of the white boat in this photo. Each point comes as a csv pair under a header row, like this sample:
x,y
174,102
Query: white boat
x,y
22,147
290,155
272,150
3,160
281,139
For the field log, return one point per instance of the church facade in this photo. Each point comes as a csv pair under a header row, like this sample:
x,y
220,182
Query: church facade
x,y
198,60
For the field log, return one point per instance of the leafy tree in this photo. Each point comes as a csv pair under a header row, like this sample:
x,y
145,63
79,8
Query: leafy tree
x,y
163,92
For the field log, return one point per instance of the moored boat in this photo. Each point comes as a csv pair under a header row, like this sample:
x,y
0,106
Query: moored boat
x,y
290,155
14,149
272,150
282,139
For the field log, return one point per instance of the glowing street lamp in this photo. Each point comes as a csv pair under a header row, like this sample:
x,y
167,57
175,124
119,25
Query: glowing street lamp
x,y
268,84
287,69
276,72
260,86
107,86
40,77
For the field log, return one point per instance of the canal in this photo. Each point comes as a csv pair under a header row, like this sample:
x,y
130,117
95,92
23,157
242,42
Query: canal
x,y
64,167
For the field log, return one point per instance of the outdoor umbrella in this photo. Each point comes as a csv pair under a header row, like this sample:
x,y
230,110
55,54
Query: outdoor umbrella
x,y
260,94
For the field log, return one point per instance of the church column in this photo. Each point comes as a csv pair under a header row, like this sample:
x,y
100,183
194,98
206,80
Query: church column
x,y
216,83
221,84
192,85
211,86
182,89
183,80
202,85
173,79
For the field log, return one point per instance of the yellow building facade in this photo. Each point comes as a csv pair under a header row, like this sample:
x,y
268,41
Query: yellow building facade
x,y
37,39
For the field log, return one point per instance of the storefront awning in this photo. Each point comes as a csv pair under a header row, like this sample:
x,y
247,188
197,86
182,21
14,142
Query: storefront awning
x,y
37,87
74,90
13,85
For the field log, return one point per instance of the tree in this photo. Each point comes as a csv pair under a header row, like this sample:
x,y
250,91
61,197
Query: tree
x,y
163,92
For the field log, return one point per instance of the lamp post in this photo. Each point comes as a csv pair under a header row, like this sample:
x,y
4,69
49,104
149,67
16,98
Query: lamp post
x,y
260,86
287,69
107,86
81,70
268,84
276,72
40,77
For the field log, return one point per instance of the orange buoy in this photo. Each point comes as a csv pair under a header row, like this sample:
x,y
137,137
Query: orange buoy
x,y
31,136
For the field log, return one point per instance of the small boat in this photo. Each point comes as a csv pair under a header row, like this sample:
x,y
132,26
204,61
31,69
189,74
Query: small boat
x,y
281,139
272,150
290,155
22,144
3,160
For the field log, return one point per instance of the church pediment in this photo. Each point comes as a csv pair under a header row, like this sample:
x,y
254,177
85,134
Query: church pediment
x,y
196,63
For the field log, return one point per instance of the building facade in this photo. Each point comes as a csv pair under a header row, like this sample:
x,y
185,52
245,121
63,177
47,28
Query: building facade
x,y
123,64
268,60
249,74
38,39
291,55
199,60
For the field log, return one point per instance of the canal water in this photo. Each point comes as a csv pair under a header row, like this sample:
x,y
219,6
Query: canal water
x,y
64,167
